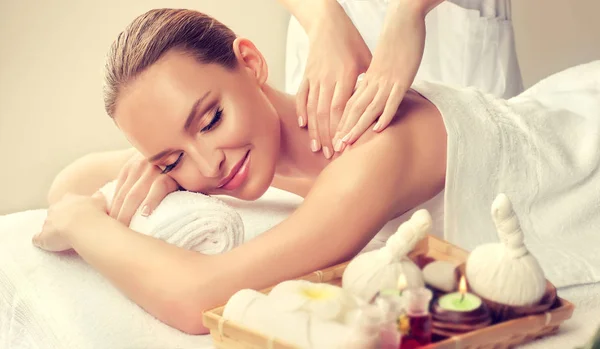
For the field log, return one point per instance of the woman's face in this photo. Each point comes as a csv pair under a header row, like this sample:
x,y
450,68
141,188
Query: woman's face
x,y
211,129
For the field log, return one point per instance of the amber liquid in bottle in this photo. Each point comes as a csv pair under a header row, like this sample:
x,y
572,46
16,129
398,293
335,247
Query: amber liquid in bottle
x,y
416,330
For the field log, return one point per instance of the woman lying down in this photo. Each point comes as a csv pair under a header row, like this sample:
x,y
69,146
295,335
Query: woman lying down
x,y
192,99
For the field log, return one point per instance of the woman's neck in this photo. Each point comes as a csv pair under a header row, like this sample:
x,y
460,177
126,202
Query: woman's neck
x,y
296,160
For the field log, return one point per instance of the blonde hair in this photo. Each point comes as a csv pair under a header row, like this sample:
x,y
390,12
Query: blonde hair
x,y
151,35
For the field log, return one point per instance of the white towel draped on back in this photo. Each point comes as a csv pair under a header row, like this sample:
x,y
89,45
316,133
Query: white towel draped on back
x,y
542,149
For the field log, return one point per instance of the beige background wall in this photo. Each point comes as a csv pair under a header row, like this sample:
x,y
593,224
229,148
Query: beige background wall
x,y
51,70
52,56
552,35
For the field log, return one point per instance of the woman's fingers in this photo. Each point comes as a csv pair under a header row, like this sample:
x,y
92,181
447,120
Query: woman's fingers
x,y
135,196
301,100
391,107
311,108
162,186
323,115
128,176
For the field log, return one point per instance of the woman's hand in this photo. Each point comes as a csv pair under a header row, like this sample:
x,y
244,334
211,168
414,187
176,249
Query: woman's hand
x,y
65,216
140,184
395,63
337,55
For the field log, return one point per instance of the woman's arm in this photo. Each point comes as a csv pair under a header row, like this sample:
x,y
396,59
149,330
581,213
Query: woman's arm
x,y
399,169
163,279
380,178
89,173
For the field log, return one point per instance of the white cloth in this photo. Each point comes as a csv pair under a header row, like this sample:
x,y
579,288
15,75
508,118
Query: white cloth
x,y
471,43
581,327
542,149
189,220
39,310
256,311
58,301
468,43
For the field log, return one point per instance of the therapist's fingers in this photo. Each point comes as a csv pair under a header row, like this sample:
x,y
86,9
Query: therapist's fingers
x,y
356,110
370,114
391,107
323,115
311,108
301,100
344,120
341,96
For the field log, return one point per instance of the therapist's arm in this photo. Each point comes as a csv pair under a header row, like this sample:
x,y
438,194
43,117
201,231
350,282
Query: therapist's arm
x,y
337,55
395,63
422,6
308,11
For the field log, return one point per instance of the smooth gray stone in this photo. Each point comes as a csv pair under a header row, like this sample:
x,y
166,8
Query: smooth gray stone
x,y
441,275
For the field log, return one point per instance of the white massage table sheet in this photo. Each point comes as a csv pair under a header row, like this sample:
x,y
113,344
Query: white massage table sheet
x,y
76,312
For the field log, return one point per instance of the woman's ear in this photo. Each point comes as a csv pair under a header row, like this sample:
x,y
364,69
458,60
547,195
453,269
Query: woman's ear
x,y
251,60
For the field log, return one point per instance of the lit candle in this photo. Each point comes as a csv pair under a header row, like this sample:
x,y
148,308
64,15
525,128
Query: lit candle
x,y
459,312
461,300
401,284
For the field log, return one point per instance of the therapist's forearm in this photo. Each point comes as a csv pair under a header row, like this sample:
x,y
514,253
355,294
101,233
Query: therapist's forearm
x,y
308,12
419,7
159,277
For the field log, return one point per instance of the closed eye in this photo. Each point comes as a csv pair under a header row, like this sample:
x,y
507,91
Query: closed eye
x,y
172,166
216,118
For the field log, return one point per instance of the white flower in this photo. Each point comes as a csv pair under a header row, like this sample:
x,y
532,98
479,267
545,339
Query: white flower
x,y
325,301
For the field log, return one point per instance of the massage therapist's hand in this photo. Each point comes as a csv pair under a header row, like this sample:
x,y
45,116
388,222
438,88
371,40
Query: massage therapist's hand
x,y
395,63
337,55
140,184
67,216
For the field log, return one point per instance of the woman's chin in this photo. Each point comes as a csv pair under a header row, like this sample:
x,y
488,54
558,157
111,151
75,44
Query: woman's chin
x,y
254,188
252,193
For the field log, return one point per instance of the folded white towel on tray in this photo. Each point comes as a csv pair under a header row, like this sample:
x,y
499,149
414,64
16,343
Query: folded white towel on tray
x,y
189,220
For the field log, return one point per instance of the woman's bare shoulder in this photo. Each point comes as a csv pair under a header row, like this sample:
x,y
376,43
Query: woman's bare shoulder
x,y
409,155
353,197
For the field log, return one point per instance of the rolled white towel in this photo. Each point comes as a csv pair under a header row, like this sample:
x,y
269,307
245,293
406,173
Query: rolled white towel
x,y
189,220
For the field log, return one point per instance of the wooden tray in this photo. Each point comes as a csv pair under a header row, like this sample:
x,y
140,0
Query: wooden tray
x,y
230,335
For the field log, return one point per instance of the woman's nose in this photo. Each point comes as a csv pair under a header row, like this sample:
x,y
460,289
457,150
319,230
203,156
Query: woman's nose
x,y
209,163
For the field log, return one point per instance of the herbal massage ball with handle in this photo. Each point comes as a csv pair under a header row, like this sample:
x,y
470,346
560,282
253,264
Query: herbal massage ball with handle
x,y
506,272
370,272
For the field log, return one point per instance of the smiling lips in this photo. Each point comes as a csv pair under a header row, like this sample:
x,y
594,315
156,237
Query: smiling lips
x,y
238,174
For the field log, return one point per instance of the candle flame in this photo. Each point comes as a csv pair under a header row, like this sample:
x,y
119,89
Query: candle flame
x,y
401,282
462,286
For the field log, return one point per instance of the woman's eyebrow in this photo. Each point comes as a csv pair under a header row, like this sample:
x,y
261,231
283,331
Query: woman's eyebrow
x,y
194,111
188,123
